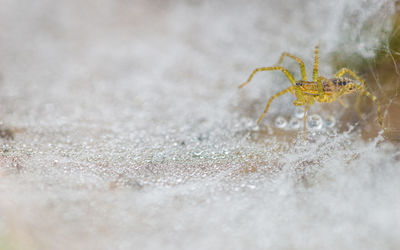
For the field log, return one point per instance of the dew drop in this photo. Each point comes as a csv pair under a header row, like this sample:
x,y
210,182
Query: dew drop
x,y
315,122
330,121
197,154
294,123
298,112
280,122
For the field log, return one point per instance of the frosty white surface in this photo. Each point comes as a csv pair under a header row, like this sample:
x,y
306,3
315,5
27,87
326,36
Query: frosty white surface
x,y
131,132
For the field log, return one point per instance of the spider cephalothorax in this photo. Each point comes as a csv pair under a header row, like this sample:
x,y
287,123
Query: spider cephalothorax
x,y
320,89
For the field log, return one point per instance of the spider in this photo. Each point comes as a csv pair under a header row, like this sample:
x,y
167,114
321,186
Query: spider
x,y
320,89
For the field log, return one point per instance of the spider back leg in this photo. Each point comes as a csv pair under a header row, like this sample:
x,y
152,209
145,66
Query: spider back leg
x,y
301,63
315,71
288,75
271,99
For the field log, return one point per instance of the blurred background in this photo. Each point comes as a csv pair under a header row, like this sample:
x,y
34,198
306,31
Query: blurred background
x,y
122,126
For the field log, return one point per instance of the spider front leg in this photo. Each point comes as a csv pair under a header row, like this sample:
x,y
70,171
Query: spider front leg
x,y
372,97
301,63
344,105
343,71
288,75
270,101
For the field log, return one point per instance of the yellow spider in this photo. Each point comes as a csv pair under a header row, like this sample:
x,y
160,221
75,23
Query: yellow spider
x,y
320,89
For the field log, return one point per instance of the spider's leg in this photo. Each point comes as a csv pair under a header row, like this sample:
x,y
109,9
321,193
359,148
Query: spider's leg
x,y
361,89
288,75
372,97
342,102
270,101
315,71
301,63
320,87
305,121
358,102
343,71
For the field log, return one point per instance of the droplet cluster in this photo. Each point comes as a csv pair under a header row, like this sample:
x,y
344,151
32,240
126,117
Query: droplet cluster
x,y
295,121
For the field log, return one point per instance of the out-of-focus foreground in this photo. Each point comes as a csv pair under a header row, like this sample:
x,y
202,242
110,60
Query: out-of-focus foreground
x,y
123,128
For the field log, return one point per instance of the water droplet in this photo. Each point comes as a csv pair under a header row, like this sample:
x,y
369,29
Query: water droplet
x,y
330,121
315,122
298,112
280,122
294,123
197,154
